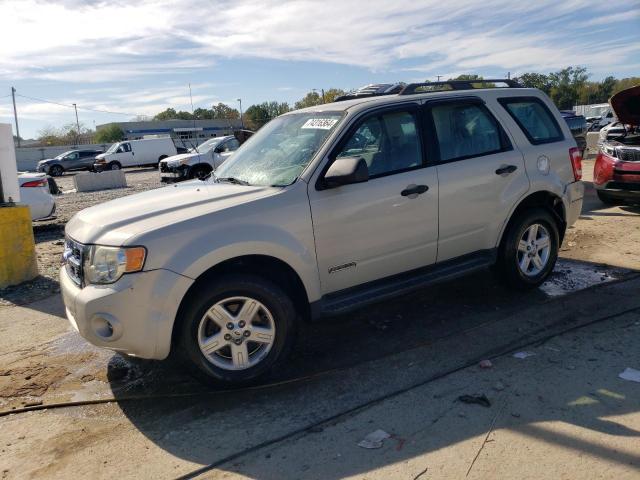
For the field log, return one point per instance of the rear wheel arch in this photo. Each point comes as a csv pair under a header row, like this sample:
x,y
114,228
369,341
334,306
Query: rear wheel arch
x,y
263,266
541,199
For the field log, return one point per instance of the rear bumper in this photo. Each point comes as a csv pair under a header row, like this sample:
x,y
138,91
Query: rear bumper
x,y
574,196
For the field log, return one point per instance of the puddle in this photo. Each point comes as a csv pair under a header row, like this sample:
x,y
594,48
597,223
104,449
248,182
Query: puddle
x,y
570,276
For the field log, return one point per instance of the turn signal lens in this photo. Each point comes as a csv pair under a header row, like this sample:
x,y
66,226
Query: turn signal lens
x,y
135,258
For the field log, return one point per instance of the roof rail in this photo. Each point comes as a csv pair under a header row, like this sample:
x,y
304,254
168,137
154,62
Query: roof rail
x,y
413,88
372,90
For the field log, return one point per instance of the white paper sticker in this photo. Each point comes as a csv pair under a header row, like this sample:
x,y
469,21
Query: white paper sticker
x,y
320,123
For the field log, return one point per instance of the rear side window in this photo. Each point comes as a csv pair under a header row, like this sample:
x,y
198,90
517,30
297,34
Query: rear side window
x,y
465,130
534,118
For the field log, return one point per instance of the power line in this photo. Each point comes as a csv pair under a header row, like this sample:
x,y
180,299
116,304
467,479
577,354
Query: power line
x,y
79,108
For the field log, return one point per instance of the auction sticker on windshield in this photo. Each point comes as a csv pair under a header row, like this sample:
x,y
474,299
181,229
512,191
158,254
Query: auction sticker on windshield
x,y
320,123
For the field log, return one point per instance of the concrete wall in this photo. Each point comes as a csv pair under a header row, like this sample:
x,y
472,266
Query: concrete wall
x,y
88,182
27,158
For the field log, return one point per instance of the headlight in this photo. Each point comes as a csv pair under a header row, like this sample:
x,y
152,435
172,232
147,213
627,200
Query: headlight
x,y
108,264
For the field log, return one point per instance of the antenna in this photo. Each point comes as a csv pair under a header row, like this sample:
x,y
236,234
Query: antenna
x,y
194,119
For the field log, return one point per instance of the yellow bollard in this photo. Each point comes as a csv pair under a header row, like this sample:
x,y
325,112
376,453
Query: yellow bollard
x,y
17,247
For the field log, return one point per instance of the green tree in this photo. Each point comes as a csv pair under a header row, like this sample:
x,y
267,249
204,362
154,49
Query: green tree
x,y
625,83
224,112
257,115
565,85
311,99
331,94
171,114
109,134
535,80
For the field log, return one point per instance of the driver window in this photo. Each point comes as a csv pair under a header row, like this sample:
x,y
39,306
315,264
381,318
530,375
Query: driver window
x,y
72,156
126,147
388,143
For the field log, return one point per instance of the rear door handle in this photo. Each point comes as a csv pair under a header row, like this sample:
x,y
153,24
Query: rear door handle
x,y
414,190
507,169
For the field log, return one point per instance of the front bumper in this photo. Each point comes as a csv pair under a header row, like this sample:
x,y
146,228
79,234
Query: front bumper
x,y
134,315
173,174
574,196
43,168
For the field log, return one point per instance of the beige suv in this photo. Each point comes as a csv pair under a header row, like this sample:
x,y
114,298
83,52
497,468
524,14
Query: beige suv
x,y
322,211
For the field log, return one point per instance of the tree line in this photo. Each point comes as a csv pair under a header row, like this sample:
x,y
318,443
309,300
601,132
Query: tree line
x,y
567,87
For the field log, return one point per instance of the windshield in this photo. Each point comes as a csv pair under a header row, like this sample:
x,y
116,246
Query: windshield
x,y
280,150
62,155
113,148
205,147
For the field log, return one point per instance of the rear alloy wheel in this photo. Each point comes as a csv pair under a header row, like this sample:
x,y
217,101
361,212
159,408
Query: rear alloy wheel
x,y
56,171
236,329
529,250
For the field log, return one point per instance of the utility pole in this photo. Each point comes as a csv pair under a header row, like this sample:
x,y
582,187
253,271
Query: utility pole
x,y
241,119
77,124
439,77
15,113
322,90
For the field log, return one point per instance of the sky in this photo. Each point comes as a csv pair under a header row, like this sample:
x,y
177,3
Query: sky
x,y
138,57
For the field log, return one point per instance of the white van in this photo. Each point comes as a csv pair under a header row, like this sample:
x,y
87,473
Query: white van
x,y
148,151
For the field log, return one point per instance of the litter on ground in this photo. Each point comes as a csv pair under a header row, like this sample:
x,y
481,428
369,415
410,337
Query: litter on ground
x,y
630,374
374,439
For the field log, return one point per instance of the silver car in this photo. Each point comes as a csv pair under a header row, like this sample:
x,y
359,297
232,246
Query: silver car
x,y
325,210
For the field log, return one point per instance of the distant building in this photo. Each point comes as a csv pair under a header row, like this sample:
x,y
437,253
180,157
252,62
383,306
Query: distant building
x,y
183,132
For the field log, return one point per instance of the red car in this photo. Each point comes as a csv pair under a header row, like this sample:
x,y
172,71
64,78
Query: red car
x,y
616,175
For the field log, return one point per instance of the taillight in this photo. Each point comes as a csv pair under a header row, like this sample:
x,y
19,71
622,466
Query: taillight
x,y
35,183
576,162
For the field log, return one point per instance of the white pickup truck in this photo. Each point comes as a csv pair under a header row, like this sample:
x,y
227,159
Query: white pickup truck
x,y
200,161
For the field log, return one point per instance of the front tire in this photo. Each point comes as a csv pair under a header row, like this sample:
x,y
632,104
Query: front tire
x,y
200,172
56,171
236,329
115,166
530,249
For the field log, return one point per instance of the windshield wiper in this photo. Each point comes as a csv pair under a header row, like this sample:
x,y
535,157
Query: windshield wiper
x,y
233,180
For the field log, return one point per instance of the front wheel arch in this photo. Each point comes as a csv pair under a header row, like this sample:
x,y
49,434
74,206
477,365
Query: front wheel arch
x,y
263,266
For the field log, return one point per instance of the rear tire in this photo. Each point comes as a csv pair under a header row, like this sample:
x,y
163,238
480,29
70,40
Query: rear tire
x,y
606,199
247,303
115,166
529,250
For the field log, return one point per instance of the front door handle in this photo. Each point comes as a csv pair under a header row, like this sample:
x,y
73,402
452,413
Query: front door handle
x,y
414,190
507,169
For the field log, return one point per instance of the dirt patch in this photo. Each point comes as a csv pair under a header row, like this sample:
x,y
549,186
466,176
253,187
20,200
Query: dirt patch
x,y
26,380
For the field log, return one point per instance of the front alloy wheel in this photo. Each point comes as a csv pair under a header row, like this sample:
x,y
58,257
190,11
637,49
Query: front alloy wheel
x,y
236,333
236,328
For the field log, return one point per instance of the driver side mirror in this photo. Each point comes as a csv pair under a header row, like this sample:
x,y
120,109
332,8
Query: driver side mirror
x,y
345,171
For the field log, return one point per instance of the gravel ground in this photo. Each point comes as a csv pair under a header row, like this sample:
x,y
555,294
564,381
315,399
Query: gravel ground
x,y
49,234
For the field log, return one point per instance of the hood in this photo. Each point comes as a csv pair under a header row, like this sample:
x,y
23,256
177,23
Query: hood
x,y
177,159
47,160
116,221
626,105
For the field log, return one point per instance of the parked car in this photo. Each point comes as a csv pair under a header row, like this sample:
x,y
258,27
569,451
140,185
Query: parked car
x,y
35,192
148,151
325,210
616,174
69,161
200,161
578,126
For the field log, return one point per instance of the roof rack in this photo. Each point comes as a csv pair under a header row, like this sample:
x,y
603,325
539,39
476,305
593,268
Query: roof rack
x,y
413,88
372,90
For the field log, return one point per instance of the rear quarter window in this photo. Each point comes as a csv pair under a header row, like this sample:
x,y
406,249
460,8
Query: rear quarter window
x,y
534,119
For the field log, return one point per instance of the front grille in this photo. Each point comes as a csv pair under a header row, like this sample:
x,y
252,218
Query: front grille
x,y
73,257
628,155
